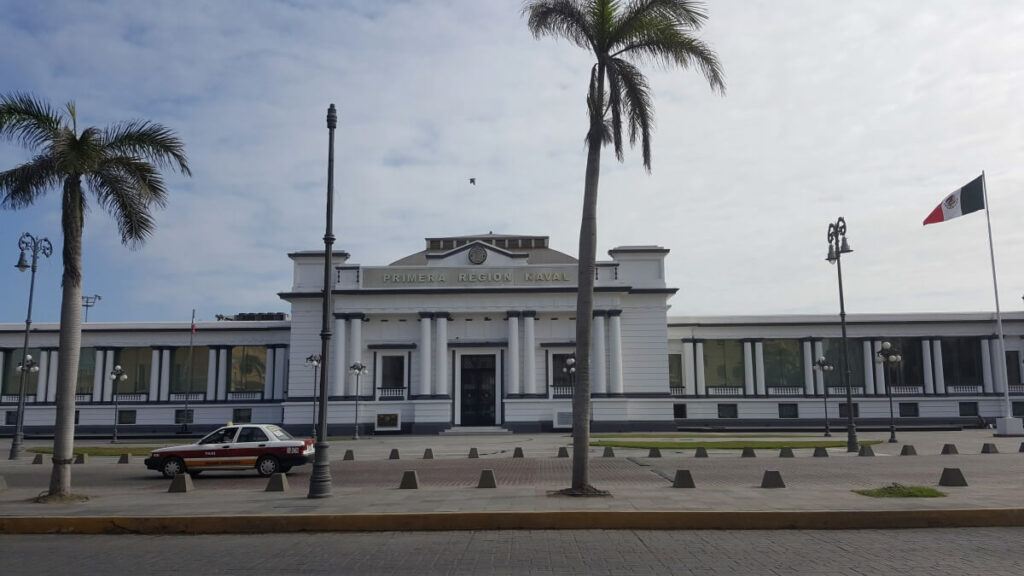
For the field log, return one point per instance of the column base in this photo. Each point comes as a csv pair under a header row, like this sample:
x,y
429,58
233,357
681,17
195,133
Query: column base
x,y
1008,426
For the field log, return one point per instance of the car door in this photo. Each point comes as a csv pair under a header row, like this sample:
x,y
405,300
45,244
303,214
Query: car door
x,y
215,451
252,442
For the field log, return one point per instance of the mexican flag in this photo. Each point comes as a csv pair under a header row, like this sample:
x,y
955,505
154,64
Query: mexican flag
x,y
970,198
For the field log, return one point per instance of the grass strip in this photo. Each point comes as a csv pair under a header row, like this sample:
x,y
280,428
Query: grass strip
x,y
896,490
700,435
727,444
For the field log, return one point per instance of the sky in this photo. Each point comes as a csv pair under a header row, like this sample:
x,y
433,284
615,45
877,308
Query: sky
x,y
873,110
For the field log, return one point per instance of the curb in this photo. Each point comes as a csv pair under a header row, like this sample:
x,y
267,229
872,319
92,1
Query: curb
x,y
555,520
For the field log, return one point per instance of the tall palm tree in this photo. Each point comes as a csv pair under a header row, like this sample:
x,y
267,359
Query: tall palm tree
x,y
621,36
120,166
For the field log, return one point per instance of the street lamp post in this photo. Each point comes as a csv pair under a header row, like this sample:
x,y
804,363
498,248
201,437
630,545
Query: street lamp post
x,y
837,246
822,365
116,375
34,246
890,357
357,369
89,302
313,360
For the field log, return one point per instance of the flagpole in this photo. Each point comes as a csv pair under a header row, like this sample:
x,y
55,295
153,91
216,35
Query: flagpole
x,y
999,315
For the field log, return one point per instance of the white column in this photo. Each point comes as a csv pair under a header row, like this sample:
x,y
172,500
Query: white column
x,y
698,356
759,367
987,365
268,375
513,353
598,359
53,359
441,355
222,374
154,376
426,325
689,369
819,351
41,378
879,387
997,371
940,374
281,369
869,368
748,368
355,351
341,363
615,383
808,368
211,375
165,373
926,359
108,365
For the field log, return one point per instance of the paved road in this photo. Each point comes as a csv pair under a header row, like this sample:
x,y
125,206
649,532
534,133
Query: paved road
x,y
983,551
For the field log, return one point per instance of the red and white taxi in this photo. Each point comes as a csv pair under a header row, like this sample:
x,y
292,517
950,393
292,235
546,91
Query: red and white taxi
x,y
266,447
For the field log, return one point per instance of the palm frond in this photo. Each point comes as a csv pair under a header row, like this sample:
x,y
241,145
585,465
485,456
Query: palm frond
x,y
560,19
667,45
615,107
146,180
638,14
637,105
147,140
28,121
117,193
21,186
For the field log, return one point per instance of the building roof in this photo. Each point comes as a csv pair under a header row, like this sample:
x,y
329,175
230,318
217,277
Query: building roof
x,y
534,247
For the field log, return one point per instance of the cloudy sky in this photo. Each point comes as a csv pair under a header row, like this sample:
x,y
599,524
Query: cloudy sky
x,y
874,110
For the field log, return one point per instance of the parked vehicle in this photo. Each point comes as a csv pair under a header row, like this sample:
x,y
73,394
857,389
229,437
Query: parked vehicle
x,y
266,447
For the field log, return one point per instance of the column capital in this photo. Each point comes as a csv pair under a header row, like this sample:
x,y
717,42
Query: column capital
x,y
513,314
600,313
442,316
349,316
426,315
613,313
529,313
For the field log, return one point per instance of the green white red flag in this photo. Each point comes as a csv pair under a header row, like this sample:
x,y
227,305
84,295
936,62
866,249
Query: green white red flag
x,y
969,198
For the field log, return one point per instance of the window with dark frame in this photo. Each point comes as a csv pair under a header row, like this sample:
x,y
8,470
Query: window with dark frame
x,y
1013,367
392,371
728,411
11,418
182,416
789,410
126,416
559,378
679,410
675,370
241,415
1018,409
844,410
961,361
968,409
909,410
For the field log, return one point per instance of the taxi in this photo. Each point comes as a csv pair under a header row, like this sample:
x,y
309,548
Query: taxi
x,y
266,447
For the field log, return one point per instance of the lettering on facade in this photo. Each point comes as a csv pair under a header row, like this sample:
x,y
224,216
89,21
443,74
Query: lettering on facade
x,y
390,278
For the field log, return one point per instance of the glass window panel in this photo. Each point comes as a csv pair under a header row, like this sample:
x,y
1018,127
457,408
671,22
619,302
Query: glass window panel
x,y
723,363
968,408
675,370
961,361
789,411
728,411
1013,367
559,377
126,416
248,368
243,416
86,371
11,375
392,371
833,350
182,368
182,416
909,410
783,363
679,410
136,363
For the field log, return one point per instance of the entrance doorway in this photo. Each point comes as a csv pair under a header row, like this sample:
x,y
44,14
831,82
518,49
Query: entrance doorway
x,y
478,375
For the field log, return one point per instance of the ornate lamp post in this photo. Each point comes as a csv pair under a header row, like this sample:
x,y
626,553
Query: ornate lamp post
x,y
891,358
570,369
313,360
837,246
822,365
34,246
116,375
357,369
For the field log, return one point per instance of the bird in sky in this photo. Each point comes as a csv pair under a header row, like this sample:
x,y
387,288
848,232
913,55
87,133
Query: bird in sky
x,y
472,181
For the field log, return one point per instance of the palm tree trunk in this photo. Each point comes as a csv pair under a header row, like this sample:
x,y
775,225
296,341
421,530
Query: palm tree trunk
x,y
70,338
585,294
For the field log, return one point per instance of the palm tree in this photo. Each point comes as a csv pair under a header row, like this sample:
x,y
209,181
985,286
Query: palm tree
x,y
621,36
120,166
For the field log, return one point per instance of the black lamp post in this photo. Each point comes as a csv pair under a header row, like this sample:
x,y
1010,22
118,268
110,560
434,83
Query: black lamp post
x,y
89,302
116,375
34,246
822,365
313,360
357,369
320,478
891,358
837,246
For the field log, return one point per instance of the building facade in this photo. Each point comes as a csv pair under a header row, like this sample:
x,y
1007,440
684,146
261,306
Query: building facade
x,y
476,331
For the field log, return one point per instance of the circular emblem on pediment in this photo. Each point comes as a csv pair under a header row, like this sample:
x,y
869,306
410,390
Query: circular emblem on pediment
x,y
477,254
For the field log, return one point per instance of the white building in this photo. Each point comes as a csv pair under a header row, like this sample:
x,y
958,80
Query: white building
x,y
475,331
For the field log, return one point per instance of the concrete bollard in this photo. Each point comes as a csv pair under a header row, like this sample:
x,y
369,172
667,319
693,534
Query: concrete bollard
x,y
908,450
654,453
125,459
949,449
473,453
772,479
428,454
81,458
786,453
952,477
748,453
38,459
608,452
865,450
701,452
683,479
394,454
181,483
563,452
277,483
349,455
410,480
487,479
518,453
821,452
989,448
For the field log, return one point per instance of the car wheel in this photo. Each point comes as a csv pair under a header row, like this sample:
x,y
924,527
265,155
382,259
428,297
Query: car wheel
x,y
172,467
268,466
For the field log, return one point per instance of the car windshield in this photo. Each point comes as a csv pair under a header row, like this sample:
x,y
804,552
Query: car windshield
x,y
279,433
